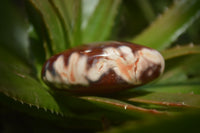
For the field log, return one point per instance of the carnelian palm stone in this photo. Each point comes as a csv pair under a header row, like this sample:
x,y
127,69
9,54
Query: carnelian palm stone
x,y
103,67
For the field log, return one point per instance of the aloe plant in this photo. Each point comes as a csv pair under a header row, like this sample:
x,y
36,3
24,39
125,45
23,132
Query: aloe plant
x,y
33,30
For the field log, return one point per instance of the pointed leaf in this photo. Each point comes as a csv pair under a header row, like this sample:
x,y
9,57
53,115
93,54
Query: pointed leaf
x,y
120,106
189,100
17,83
180,51
55,34
70,15
99,26
167,27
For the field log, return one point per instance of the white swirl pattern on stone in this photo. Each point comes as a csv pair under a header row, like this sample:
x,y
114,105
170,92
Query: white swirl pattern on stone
x,y
126,64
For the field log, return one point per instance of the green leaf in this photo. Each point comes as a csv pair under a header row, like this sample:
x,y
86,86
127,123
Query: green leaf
x,y
178,99
167,27
119,106
70,13
55,33
180,51
17,83
101,21
147,9
77,21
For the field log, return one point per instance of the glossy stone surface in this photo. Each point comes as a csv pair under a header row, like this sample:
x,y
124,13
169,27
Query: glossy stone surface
x,y
103,67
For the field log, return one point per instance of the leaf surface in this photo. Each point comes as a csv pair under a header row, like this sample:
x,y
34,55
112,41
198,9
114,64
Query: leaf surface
x,y
101,21
70,13
169,25
53,27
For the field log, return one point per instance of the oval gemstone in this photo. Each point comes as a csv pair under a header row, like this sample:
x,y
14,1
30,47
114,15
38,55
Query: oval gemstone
x,y
103,67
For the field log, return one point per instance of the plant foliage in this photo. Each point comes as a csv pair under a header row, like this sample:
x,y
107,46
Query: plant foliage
x,y
33,30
